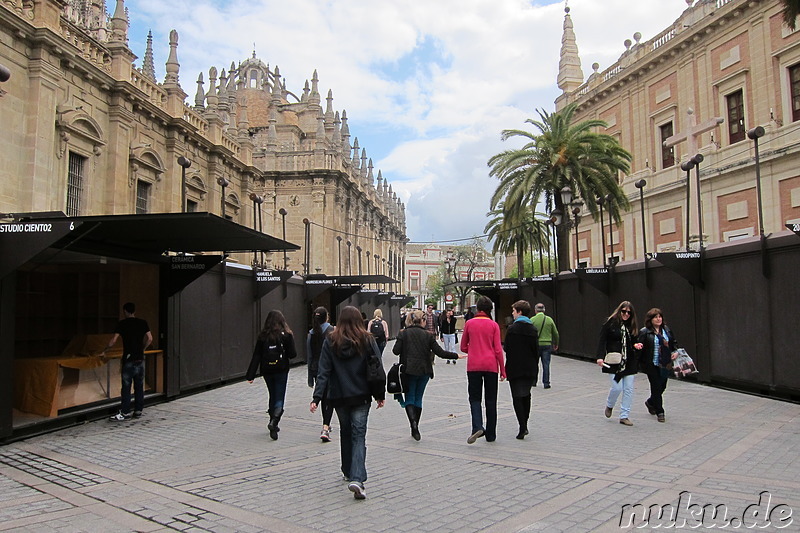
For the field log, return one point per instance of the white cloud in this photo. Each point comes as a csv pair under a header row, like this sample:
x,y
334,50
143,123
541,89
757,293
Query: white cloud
x,y
443,77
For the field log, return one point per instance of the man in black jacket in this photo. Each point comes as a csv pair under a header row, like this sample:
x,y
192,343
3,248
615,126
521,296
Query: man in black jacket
x,y
522,362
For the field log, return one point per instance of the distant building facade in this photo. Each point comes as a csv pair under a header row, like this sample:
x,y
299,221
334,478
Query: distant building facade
x,y
424,261
87,132
733,60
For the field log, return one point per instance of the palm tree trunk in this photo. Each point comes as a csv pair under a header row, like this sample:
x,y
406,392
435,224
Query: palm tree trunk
x,y
520,262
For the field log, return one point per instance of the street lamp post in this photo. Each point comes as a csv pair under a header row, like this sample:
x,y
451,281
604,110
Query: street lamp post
x,y
698,158
184,163
640,185
576,213
339,241
349,259
755,134
358,252
600,201
222,182
257,201
612,259
283,213
687,167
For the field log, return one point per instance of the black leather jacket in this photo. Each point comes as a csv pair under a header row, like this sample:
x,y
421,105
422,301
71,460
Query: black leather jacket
x,y
416,347
648,338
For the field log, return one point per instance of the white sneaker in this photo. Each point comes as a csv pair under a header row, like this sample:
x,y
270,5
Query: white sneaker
x,y
359,493
119,417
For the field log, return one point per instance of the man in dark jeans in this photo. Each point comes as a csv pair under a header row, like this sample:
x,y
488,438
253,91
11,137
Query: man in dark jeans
x,y
136,337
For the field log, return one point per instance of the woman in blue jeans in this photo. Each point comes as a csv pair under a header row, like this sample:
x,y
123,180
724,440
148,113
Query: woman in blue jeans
x,y
343,373
619,334
274,348
415,347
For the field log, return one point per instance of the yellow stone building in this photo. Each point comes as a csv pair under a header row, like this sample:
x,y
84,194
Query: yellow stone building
x,y
722,68
87,132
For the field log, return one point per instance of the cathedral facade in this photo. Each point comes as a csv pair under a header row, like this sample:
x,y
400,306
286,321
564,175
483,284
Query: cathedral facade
x,y
87,132
722,69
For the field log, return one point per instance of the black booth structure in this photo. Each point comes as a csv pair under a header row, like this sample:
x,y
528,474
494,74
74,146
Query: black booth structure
x,y
62,285
333,292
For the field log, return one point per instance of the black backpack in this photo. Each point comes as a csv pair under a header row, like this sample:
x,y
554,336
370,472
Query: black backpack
x,y
273,358
376,328
376,375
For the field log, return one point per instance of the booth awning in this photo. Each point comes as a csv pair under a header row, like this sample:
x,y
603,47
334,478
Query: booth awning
x,y
143,238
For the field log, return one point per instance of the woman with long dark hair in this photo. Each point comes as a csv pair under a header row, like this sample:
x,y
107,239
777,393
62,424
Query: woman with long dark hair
x,y
658,352
343,374
316,337
619,335
274,348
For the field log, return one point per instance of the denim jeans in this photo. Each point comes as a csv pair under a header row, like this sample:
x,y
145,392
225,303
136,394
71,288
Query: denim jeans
x,y
544,354
477,382
353,420
276,385
449,342
416,389
132,373
625,387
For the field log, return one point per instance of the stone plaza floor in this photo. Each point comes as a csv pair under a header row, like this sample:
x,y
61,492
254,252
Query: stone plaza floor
x,y
206,463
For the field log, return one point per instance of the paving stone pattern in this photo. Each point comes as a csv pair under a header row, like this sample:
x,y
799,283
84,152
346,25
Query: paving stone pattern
x,y
206,463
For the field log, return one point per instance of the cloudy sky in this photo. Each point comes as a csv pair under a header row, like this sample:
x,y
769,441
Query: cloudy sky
x,y
428,85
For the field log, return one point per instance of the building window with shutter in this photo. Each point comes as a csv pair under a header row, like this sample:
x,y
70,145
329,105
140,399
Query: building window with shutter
x,y
667,154
735,104
142,196
794,87
75,184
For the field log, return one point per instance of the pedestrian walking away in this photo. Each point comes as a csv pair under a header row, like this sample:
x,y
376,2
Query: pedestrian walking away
x,y
415,345
619,336
136,337
379,329
343,374
274,348
316,336
447,332
522,362
480,340
548,341
658,351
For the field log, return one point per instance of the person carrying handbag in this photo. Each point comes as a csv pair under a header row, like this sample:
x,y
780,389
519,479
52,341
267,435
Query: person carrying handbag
x,y
617,337
658,352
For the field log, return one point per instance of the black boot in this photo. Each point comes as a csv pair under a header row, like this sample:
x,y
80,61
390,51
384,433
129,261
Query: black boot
x,y
522,408
411,413
274,419
418,415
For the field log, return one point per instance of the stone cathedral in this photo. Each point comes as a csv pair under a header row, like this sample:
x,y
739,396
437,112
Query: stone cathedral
x,y
88,132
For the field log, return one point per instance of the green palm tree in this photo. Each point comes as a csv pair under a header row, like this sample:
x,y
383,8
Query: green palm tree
x,y
791,10
515,229
561,154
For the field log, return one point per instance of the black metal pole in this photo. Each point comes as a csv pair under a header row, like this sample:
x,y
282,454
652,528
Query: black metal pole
x,y
184,163
339,240
307,266
687,166
612,260
640,185
698,158
754,134
282,211
600,202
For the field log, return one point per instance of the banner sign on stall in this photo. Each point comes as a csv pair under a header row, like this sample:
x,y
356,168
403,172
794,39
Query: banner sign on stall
x,y
22,241
268,280
685,264
184,269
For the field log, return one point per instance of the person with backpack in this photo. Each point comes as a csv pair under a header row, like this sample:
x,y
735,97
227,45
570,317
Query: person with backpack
x,y
379,329
344,372
316,337
416,347
274,348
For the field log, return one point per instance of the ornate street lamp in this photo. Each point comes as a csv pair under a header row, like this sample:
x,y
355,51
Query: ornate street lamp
x,y
640,185
184,163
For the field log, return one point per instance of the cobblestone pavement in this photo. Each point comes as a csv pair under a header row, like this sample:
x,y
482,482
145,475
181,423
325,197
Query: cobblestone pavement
x,y
206,463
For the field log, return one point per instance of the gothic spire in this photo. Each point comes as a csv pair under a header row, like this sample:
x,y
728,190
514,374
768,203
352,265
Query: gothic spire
x,y
173,67
148,67
119,24
314,98
570,75
200,97
329,107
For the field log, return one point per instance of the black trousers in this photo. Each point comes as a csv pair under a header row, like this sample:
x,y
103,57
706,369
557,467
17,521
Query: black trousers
x,y
658,378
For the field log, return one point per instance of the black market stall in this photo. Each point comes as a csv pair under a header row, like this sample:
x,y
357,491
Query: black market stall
x,y
332,291
62,284
503,294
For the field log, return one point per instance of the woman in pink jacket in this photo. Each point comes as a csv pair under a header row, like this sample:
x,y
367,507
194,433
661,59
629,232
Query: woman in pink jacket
x,y
481,342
